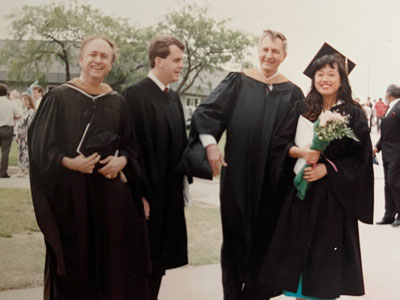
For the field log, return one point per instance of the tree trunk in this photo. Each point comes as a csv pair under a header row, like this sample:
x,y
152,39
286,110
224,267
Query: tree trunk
x,y
67,67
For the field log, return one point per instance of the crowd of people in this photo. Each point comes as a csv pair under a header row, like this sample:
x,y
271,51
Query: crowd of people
x,y
375,111
17,112
109,175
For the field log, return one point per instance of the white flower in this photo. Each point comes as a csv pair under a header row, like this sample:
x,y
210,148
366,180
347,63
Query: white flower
x,y
327,116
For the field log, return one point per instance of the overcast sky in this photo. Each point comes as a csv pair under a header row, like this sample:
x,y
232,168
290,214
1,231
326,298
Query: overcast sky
x,y
366,31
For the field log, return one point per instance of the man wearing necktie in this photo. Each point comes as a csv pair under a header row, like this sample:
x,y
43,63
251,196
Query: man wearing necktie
x,y
161,134
249,106
389,143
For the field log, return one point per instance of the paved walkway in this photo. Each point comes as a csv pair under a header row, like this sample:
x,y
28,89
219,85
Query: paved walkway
x,y
14,182
380,252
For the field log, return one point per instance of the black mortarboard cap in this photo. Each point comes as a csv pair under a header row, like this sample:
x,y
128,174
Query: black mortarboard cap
x,y
100,140
327,49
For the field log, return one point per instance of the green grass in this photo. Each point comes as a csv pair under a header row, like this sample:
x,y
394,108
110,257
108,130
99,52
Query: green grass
x,y
21,245
13,158
22,261
204,234
23,252
16,212
22,248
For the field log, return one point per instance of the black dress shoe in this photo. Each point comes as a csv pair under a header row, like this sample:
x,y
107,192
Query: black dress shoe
x,y
386,220
396,223
5,176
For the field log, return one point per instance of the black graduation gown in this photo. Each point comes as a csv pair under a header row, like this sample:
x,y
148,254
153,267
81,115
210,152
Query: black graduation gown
x,y
389,141
94,234
161,134
240,106
389,144
318,237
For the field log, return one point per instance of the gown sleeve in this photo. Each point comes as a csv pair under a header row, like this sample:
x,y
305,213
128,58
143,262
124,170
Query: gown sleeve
x,y
378,145
141,136
281,166
44,146
211,116
128,146
45,159
353,184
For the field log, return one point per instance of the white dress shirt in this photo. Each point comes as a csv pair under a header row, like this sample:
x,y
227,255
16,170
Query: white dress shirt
x,y
270,86
157,81
8,111
37,102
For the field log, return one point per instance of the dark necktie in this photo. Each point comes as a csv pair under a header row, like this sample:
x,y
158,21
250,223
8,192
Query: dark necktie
x,y
267,90
166,90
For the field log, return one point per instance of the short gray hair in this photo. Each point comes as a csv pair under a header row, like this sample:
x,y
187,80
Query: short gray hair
x,y
393,90
98,37
273,34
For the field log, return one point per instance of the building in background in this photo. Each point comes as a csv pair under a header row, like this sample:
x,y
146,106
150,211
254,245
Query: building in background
x,y
56,76
199,91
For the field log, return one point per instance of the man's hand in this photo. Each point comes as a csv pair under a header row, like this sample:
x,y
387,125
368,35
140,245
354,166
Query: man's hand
x,y
215,158
81,163
313,174
375,151
113,165
146,208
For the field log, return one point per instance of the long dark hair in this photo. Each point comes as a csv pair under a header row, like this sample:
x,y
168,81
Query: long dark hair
x,y
314,98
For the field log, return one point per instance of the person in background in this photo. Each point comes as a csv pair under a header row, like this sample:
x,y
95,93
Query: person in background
x,y
368,102
380,110
22,135
389,144
368,112
373,119
37,92
9,112
16,97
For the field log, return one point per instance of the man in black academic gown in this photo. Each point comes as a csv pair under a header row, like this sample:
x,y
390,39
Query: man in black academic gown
x,y
80,141
161,133
249,106
389,143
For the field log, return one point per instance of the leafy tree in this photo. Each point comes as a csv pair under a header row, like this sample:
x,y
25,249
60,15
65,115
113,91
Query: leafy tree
x,y
132,62
209,43
49,34
43,35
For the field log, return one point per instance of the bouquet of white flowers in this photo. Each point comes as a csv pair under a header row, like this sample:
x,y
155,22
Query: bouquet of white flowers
x,y
328,127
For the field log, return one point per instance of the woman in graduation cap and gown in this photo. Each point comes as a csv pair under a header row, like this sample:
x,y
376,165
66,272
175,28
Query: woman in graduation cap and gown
x,y
315,250
249,107
94,233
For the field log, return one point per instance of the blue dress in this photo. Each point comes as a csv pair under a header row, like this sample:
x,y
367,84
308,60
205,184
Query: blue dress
x,y
299,293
